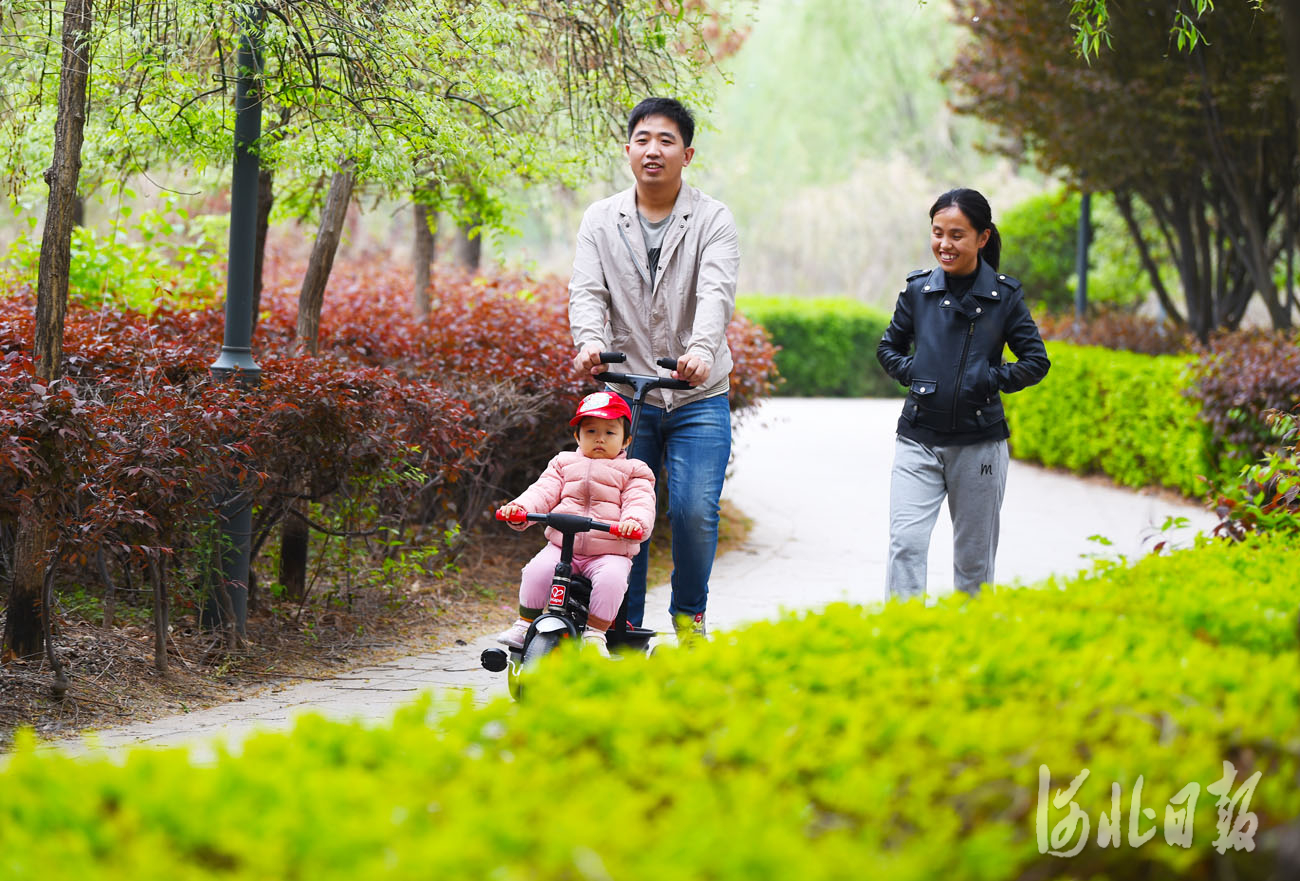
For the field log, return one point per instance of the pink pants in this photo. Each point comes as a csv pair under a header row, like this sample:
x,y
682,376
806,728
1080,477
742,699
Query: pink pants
x,y
608,574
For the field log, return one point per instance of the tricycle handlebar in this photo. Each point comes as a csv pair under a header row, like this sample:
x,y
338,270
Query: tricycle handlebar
x,y
569,524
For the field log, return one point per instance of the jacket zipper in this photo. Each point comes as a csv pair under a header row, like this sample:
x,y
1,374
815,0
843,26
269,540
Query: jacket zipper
x,y
961,372
586,506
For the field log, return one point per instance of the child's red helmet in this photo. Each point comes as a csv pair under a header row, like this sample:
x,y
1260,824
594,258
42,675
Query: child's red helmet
x,y
602,405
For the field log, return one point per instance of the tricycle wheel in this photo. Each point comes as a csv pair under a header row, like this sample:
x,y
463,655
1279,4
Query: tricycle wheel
x,y
541,645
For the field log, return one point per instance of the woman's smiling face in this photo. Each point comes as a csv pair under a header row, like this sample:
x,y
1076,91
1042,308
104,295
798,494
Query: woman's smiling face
x,y
954,241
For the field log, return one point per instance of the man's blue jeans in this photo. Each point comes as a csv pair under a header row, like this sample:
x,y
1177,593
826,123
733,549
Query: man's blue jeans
x,y
688,449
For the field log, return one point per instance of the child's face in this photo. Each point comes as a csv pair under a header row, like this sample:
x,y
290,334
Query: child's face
x,y
600,438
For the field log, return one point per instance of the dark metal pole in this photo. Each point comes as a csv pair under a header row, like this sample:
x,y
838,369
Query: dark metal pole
x,y
1081,256
236,356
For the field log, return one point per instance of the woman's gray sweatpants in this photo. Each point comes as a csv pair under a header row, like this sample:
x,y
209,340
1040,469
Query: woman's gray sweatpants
x,y
973,478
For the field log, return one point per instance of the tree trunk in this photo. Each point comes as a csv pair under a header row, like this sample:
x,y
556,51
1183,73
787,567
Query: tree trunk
x,y
23,632
1290,13
312,296
294,533
110,589
1124,203
469,244
295,538
157,577
265,199
425,235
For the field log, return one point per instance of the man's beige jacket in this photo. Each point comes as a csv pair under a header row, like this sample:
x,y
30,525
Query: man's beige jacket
x,y
612,302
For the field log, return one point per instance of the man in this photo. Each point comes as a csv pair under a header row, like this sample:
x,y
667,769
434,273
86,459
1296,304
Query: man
x,y
655,277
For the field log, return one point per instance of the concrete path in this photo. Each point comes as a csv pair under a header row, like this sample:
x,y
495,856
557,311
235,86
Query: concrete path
x,y
813,474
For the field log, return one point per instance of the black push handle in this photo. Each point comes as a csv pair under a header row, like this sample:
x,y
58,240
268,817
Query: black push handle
x,y
612,358
667,363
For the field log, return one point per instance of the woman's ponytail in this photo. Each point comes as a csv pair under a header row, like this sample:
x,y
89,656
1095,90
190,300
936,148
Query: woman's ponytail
x,y
992,250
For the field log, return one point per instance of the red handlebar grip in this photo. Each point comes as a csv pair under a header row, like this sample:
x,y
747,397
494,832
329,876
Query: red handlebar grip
x,y
635,536
517,518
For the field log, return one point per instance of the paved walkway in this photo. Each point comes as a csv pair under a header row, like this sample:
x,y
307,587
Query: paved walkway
x,y
813,474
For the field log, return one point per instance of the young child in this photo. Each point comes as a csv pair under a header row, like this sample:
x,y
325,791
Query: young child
x,y
952,437
597,480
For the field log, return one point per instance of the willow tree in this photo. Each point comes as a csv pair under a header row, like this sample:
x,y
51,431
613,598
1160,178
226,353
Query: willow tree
x,y
387,97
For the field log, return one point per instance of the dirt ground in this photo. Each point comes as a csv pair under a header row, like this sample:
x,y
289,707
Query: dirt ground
x,y
112,675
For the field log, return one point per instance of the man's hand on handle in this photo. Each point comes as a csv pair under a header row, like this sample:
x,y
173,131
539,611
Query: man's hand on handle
x,y
693,369
587,361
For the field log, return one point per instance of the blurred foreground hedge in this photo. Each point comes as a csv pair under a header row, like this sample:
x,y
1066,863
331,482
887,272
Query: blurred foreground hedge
x,y
827,345
903,743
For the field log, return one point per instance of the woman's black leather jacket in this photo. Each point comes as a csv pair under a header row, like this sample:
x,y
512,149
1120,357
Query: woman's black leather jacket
x,y
956,373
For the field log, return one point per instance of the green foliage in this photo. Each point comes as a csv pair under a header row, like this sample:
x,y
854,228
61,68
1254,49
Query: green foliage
x,y
1116,276
903,738
1117,413
160,254
827,345
1039,238
462,97
1090,20
1266,497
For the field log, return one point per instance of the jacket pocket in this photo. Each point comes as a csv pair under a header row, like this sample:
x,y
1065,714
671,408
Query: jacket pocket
x,y
920,396
989,414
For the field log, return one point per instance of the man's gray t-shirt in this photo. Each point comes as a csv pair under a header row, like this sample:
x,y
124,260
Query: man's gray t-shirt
x,y
654,240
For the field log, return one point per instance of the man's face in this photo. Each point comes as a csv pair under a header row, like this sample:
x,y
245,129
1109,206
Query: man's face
x,y
656,152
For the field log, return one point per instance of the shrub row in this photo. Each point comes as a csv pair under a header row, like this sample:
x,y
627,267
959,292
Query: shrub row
x,y
1117,413
827,345
1159,420
904,739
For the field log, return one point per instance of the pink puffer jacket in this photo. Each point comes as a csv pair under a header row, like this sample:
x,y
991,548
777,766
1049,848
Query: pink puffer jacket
x,y
604,489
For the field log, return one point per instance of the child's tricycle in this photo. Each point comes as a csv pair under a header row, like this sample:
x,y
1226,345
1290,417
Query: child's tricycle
x,y
565,615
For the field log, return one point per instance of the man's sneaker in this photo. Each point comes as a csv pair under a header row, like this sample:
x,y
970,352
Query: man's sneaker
x,y
514,637
690,629
596,639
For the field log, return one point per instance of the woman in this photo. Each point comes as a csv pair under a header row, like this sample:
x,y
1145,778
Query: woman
x,y
952,436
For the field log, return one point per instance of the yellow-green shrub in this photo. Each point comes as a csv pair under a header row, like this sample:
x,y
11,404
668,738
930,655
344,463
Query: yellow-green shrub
x,y
901,743
827,344
1116,413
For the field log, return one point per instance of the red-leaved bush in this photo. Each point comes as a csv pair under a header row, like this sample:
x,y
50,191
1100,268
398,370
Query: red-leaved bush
x,y
1115,329
130,450
1239,380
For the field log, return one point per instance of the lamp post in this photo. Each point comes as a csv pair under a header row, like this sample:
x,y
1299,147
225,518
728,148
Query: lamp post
x,y
1081,256
236,358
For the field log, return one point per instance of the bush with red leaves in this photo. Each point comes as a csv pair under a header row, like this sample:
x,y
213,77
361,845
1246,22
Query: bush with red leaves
x,y
1239,380
1114,329
129,450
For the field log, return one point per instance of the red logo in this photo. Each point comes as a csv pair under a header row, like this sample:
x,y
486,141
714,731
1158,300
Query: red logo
x,y
557,594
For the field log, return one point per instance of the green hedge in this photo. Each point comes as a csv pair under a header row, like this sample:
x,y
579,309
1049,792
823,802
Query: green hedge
x,y
1117,413
828,345
896,743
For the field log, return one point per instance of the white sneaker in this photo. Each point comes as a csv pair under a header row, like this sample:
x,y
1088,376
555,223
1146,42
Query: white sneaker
x,y
596,639
514,637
